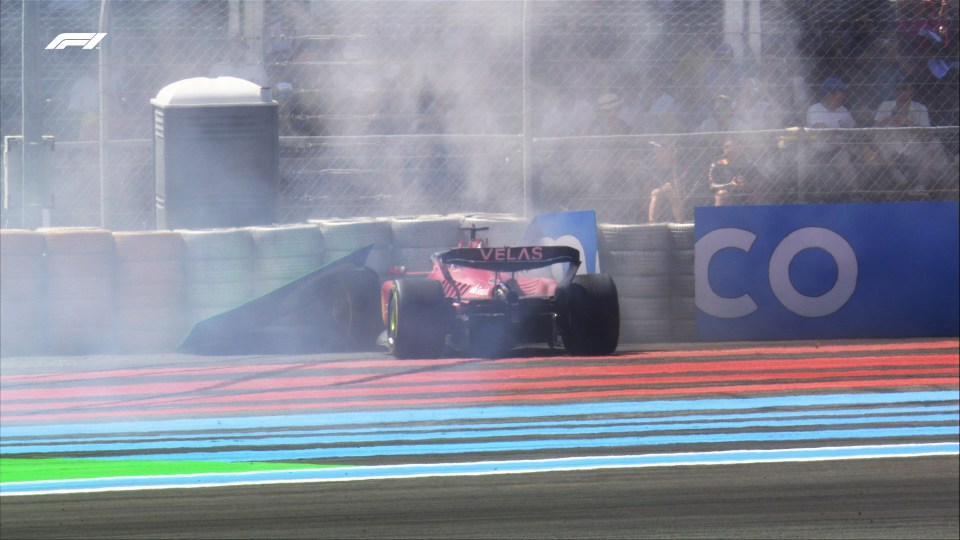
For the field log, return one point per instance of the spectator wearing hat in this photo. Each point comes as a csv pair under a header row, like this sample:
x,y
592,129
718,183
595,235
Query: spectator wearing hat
x,y
829,112
832,157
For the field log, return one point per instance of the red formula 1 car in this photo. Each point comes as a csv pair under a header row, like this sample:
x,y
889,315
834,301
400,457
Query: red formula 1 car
x,y
474,301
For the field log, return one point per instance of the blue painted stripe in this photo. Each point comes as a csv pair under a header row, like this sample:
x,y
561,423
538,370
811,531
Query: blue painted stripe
x,y
680,419
478,413
549,444
403,436
480,468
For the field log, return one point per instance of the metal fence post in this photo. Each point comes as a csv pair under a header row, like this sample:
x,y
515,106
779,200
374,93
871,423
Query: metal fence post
x,y
35,206
108,218
526,116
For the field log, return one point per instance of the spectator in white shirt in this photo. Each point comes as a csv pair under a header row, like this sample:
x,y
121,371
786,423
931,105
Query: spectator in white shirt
x,y
829,112
902,111
835,176
914,161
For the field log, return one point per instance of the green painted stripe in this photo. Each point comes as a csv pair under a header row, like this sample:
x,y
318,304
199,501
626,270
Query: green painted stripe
x,y
31,470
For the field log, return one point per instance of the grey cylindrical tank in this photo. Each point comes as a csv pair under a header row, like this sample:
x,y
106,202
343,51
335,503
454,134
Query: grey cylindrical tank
x,y
217,154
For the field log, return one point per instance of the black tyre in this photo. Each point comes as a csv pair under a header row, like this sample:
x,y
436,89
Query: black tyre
x,y
417,318
590,315
355,309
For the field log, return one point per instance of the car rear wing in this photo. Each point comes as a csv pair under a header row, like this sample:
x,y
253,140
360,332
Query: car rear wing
x,y
511,259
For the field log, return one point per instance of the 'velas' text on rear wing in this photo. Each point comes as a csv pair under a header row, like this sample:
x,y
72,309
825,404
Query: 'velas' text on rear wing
x,y
511,259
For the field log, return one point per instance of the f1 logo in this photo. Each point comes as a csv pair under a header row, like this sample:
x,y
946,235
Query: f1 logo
x,y
85,40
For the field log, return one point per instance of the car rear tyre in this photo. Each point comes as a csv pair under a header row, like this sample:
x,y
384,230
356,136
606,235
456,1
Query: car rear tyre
x,y
417,318
590,315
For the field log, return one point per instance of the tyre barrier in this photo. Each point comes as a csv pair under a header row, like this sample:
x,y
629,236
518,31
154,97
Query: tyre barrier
x,y
218,271
342,236
502,229
22,317
149,291
637,257
285,253
80,293
682,310
77,291
415,239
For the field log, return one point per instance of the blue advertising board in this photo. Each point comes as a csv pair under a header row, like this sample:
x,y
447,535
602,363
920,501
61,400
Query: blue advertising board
x,y
574,229
827,271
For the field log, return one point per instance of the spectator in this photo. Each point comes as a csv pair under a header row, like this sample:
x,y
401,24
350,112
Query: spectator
x,y
732,178
860,35
722,117
785,83
914,161
674,189
902,111
829,112
756,108
654,109
723,74
832,157
688,75
829,59
664,173
871,76
704,74
607,120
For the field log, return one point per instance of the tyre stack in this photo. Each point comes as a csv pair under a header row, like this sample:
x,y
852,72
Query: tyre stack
x,y
343,236
638,259
682,308
149,288
22,319
218,271
80,290
283,254
504,229
416,238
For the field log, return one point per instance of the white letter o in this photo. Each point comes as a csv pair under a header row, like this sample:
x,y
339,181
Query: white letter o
x,y
847,269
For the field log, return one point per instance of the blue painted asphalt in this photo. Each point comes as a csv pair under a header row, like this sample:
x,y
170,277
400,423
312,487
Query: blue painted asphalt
x,y
478,413
865,414
501,431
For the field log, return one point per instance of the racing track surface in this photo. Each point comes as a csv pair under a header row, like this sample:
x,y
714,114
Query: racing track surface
x,y
843,439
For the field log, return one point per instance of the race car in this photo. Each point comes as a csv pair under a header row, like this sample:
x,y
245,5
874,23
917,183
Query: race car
x,y
480,300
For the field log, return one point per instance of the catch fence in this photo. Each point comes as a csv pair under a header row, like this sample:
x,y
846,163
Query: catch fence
x,y
391,108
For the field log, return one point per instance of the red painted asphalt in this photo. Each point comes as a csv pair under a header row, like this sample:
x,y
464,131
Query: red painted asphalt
x,y
388,384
